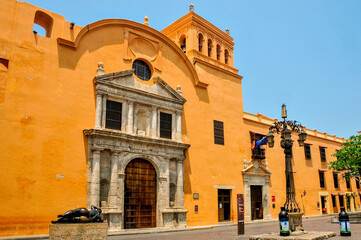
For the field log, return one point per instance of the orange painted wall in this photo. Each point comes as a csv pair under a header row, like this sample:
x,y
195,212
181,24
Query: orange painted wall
x,y
306,174
48,94
49,100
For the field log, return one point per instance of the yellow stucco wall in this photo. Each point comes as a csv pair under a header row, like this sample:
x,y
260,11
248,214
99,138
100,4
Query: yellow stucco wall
x,y
306,175
48,99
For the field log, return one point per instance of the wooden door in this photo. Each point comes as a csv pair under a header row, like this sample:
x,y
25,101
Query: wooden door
x,y
224,205
256,202
140,195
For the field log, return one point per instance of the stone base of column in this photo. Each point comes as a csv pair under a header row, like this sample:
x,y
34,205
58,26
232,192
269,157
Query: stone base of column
x,y
174,218
295,220
114,217
73,231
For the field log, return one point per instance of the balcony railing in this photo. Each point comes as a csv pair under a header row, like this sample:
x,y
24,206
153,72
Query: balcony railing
x,y
258,153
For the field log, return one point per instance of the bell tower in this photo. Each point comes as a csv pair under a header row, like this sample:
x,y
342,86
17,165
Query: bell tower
x,y
202,41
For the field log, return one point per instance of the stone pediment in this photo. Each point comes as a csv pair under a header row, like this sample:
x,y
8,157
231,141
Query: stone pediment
x,y
256,167
125,80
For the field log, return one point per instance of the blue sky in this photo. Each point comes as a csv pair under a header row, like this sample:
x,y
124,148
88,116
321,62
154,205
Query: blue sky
x,y
305,53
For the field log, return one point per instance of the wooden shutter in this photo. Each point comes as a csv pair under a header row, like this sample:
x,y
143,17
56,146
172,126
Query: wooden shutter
x,y
307,151
113,115
218,132
323,154
165,125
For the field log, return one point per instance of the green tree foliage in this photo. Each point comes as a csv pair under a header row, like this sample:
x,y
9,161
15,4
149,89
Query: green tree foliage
x,y
349,158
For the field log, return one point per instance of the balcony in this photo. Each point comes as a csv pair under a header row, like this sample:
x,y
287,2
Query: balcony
x,y
258,153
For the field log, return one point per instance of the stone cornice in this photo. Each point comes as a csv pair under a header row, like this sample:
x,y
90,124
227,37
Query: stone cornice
x,y
134,138
235,75
262,119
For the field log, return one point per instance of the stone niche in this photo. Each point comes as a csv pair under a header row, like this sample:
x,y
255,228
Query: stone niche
x,y
138,137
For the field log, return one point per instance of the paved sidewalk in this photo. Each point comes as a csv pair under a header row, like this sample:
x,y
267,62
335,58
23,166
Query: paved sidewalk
x,y
230,232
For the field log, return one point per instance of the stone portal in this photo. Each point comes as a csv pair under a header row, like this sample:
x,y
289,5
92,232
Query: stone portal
x,y
136,154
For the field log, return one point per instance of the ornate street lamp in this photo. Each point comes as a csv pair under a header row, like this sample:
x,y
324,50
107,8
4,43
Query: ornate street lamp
x,y
285,128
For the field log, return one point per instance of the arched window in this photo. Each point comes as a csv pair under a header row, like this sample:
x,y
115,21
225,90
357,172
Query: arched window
x,y
200,42
183,45
218,51
226,56
142,70
209,47
43,24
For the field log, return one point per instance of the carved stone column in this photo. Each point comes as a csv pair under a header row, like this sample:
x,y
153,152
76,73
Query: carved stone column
x,y
162,201
154,125
130,117
98,111
95,180
104,112
121,177
179,195
178,127
113,198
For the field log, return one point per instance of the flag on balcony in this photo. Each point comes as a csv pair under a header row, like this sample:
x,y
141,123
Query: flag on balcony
x,y
253,144
261,142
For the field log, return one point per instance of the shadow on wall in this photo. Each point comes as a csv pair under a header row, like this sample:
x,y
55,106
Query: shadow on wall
x,y
94,40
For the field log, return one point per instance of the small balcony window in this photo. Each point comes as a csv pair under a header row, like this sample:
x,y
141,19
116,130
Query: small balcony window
x,y
257,153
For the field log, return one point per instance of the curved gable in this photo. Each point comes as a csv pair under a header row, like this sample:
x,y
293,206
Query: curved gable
x,y
136,26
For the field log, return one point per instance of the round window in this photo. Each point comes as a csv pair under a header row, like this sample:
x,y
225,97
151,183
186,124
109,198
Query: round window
x,y
142,70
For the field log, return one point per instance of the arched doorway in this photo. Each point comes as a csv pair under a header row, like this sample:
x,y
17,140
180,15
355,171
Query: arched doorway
x,y
140,195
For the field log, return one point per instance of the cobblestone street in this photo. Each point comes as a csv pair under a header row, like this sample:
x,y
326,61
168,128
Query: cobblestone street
x,y
230,232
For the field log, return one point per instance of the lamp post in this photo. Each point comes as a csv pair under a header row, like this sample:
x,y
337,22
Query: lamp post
x,y
285,128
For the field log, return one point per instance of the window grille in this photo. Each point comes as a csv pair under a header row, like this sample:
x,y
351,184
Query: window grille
x,y
165,125
142,70
323,154
307,151
335,180
358,183
340,198
348,184
113,115
322,179
218,133
333,201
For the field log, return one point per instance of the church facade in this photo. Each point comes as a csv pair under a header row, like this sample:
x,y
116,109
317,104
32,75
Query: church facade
x,y
149,125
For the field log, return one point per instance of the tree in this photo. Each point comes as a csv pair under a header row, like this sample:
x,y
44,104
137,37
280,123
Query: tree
x,y
349,158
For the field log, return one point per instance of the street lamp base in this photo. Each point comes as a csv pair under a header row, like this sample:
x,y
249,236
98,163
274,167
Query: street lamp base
x,y
295,220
